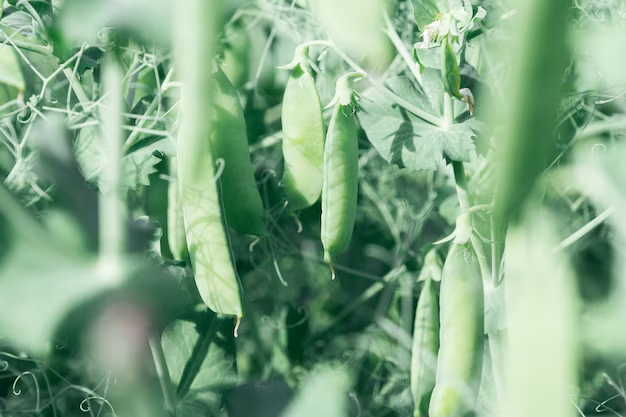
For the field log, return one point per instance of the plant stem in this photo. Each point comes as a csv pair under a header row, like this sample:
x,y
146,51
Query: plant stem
x,y
134,135
160,363
206,334
111,211
40,49
600,218
404,53
448,112
77,87
596,128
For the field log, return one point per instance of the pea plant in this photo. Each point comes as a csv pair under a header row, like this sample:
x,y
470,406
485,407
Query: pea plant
x,y
312,208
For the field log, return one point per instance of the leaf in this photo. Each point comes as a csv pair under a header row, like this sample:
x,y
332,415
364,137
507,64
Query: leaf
x,y
201,364
193,408
406,140
10,70
324,394
81,20
91,155
429,57
11,77
37,291
426,11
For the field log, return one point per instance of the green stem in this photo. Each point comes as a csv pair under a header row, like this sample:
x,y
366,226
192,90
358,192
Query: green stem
x,y
112,214
77,87
448,112
206,334
462,193
404,53
600,218
40,49
160,363
132,138
596,128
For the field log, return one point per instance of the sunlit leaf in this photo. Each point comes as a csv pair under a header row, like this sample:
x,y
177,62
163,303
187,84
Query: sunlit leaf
x,y
406,140
91,155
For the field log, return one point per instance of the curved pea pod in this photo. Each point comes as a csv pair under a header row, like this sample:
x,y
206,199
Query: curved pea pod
x,y
208,241
459,365
242,202
450,68
303,144
236,62
175,220
206,232
340,188
425,348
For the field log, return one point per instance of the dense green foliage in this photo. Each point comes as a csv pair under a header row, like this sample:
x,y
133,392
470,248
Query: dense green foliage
x,y
182,180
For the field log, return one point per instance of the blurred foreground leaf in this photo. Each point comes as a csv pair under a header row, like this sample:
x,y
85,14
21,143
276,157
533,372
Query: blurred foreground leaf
x,y
324,393
40,278
542,316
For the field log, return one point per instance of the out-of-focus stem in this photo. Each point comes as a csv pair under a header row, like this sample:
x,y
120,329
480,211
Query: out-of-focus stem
x,y
111,209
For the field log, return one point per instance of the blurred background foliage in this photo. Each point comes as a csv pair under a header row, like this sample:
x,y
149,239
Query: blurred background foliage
x,y
72,342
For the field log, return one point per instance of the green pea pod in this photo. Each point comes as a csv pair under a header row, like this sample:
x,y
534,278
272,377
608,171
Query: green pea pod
x,y
339,192
425,347
459,365
175,220
236,62
207,235
451,77
303,144
432,268
242,202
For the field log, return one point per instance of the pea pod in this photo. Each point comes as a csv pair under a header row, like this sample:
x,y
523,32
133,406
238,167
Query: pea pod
x,y
425,347
207,235
340,188
459,365
236,61
303,144
242,202
451,77
175,220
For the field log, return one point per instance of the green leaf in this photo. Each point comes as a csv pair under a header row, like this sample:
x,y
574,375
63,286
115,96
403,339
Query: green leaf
x,y
425,12
429,57
81,20
10,70
202,365
324,393
404,139
36,291
193,408
91,154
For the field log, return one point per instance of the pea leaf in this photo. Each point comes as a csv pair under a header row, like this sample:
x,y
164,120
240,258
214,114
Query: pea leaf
x,y
404,139
429,57
201,360
91,154
10,71
424,12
